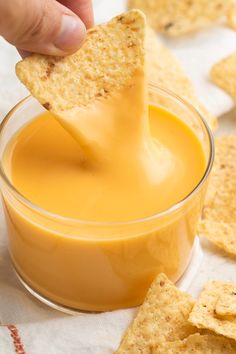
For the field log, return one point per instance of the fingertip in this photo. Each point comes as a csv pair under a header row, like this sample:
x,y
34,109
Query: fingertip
x,y
71,34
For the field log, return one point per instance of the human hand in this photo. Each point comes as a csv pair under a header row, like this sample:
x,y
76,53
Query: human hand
x,y
45,26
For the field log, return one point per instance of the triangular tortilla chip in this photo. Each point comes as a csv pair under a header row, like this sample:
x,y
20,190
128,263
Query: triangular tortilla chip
x,y
106,62
164,70
218,222
223,74
175,18
162,317
204,313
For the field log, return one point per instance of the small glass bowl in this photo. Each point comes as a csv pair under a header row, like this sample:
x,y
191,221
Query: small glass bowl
x,y
97,266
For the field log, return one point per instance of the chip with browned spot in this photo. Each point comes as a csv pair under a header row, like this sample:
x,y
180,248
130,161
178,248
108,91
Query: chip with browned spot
x,y
106,62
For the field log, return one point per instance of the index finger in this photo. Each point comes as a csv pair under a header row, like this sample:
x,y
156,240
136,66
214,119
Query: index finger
x,y
82,8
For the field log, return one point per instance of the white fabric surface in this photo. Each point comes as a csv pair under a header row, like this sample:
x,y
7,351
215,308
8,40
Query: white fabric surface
x,y
44,330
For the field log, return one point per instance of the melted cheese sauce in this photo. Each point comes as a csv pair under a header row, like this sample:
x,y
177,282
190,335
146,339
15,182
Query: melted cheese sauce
x,y
49,169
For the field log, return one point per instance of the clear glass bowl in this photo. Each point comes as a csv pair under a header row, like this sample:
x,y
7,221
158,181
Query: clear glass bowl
x,y
95,266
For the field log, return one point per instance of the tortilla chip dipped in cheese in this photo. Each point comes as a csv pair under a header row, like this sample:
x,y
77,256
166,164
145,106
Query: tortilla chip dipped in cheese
x,y
75,87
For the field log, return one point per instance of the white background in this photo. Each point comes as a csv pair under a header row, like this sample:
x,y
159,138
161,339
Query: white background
x,y
197,54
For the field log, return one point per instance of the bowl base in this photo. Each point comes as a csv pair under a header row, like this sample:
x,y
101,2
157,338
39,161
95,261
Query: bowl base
x,y
183,283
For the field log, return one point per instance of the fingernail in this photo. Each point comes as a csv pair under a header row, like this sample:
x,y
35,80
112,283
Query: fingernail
x,y
71,34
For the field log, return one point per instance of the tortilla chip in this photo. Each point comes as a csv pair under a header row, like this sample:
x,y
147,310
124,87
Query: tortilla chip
x,y
223,235
226,303
204,314
165,71
105,63
162,317
198,344
223,74
175,18
231,17
219,214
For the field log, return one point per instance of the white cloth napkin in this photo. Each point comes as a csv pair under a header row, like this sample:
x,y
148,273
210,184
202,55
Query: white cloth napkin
x,y
29,326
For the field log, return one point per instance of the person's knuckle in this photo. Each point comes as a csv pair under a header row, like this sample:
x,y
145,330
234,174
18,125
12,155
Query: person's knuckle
x,y
36,27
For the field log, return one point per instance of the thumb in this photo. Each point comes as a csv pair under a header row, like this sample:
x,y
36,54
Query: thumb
x,y
42,26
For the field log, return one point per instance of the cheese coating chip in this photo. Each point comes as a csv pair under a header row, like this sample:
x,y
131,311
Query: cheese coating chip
x,y
175,18
198,344
204,313
162,317
219,215
223,74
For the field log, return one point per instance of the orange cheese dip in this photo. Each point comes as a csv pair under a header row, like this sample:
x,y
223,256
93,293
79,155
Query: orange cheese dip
x,y
102,267
48,168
